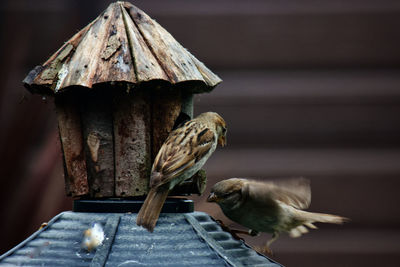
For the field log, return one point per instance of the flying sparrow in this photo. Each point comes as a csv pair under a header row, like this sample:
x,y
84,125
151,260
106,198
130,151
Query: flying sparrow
x,y
272,207
183,153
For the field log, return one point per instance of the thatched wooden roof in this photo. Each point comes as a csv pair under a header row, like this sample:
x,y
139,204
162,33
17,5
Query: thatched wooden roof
x,y
123,44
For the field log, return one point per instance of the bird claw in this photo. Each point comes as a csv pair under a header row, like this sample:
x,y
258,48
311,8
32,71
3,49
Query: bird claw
x,y
229,230
235,232
265,250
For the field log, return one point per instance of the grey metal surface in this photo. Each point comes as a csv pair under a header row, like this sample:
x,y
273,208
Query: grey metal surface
x,y
190,239
234,251
173,243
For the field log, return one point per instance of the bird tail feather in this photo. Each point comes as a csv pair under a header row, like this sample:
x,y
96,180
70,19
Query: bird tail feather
x,y
309,218
312,217
151,208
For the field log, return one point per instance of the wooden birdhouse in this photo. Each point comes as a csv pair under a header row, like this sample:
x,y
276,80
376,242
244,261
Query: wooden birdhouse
x,y
119,85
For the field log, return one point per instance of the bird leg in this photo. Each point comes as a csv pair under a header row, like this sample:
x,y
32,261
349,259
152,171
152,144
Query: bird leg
x,y
275,236
235,232
266,250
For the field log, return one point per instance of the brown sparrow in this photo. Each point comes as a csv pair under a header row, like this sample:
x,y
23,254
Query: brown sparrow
x,y
183,153
272,207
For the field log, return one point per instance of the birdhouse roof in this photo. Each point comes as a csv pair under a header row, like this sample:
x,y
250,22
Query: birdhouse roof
x,y
125,45
180,239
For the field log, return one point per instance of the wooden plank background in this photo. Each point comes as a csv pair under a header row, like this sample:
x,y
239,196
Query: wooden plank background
x,y
311,88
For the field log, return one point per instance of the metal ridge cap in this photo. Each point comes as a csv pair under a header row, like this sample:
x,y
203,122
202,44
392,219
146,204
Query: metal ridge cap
x,y
211,241
208,229
110,230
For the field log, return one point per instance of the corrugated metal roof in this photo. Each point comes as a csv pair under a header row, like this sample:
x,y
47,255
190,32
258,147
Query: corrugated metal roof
x,y
188,239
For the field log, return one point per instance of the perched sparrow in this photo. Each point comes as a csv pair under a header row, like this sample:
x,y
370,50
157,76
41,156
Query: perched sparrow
x,y
272,207
183,153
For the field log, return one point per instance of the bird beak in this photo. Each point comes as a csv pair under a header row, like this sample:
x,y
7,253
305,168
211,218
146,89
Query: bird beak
x,y
212,198
222,140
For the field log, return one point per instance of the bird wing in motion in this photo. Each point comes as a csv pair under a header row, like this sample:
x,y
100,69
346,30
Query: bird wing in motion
x,y
294,192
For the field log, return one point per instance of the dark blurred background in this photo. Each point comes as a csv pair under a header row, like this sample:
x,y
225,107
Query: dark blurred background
x,y
311,88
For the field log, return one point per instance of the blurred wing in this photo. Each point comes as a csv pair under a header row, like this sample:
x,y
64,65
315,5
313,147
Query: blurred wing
x,y
293,192
183,148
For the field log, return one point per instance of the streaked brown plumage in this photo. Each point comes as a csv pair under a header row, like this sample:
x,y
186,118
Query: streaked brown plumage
x,y
183,153
272,207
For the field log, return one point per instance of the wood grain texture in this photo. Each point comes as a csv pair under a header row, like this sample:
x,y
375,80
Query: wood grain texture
x,y
47,76
115,59
172,57
86,61
98,141
132,113
123,44
165,110
209,77
146,65
69,125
